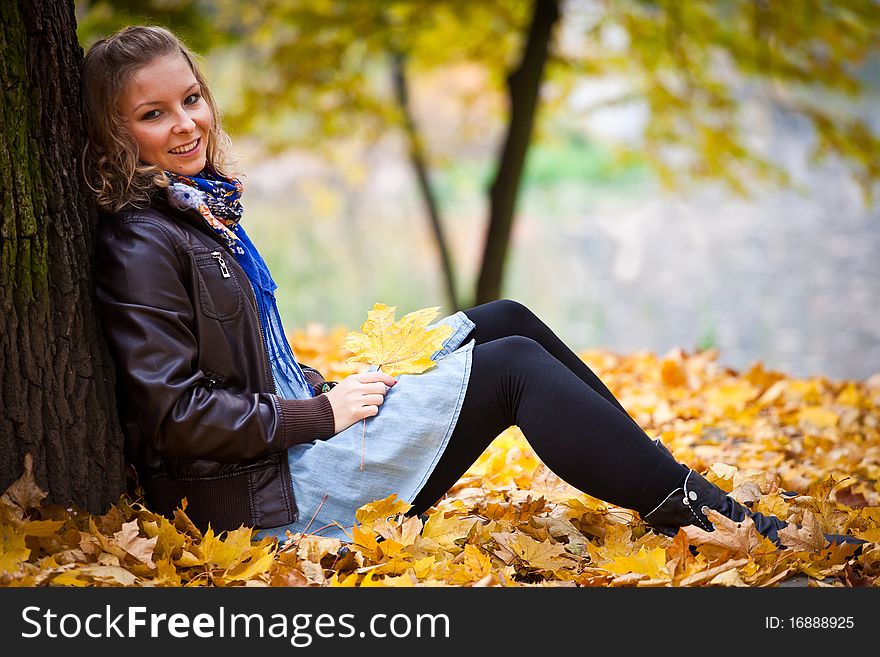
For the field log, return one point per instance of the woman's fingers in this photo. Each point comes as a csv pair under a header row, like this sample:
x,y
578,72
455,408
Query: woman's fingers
x,y
358,396
373,377
375,388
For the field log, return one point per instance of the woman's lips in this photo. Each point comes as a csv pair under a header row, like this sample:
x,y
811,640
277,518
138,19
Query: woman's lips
x,y
188,149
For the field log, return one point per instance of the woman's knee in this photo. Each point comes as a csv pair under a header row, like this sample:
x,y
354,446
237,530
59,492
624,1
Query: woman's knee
x,y
514,350
513,313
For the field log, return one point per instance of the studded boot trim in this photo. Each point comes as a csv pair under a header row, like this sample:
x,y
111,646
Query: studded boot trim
x,y
677,510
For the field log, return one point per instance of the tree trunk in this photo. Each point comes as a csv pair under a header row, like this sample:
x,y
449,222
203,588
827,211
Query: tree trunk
x,y
417,159
56,377
524,85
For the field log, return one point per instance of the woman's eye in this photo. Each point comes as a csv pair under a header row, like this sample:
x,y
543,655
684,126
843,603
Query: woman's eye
x,y
152,114
191,99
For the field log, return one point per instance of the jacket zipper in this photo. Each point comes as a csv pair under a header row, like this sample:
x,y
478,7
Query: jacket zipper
x,y
224,270
266,369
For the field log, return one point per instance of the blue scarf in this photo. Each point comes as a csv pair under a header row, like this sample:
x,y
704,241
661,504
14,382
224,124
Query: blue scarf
x,y
217,200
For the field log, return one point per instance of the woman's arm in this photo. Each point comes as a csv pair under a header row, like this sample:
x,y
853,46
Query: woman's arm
x,y
148,319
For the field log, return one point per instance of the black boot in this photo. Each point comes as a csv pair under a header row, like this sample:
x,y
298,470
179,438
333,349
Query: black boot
x,y
687,506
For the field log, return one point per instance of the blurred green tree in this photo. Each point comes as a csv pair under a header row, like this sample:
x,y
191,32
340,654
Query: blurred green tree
x,y
686,62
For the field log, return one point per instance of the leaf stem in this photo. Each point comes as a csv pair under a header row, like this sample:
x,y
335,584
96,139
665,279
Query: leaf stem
x,y
363,434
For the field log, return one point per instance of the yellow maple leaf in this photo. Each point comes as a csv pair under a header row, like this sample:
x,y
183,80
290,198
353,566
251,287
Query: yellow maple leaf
x,y
402,581
168,538
225,553
41,528
536,554
445,530
391,549
12,548
188,559
381,509
69,578
166,573
345,581
397,347
259,561
773,504
652,564
422,567
722,475
365,541
473,566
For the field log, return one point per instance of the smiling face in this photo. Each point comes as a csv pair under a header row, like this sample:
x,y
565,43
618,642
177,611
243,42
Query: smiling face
x,y
167,115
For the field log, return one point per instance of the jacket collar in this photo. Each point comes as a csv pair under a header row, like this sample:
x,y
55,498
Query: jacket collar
x,y
189,216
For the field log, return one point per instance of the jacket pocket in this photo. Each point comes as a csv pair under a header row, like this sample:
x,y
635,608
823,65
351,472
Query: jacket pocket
x,y
220,293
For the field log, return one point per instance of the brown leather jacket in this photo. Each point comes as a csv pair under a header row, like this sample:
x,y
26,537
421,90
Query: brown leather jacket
x,y
196,397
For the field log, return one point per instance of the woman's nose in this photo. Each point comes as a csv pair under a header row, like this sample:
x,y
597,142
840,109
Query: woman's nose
x,y
183,122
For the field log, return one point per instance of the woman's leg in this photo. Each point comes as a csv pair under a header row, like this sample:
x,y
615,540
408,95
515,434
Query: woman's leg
x,y
576,431
503,318
583,438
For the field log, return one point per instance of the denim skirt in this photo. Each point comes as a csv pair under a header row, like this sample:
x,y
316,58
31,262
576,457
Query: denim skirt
x,y
401,445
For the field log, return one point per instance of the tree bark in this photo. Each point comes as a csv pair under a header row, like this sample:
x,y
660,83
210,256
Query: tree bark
x,y
417,160
56,377
524,85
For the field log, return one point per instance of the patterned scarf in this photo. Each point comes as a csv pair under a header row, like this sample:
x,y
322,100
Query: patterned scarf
x,y
217,200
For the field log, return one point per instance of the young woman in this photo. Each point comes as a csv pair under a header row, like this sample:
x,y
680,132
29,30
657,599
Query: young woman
x,y
216,409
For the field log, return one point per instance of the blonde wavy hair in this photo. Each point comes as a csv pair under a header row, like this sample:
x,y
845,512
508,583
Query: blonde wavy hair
x,y
111,166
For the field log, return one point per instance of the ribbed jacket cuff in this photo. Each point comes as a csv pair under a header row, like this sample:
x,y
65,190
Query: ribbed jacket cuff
x,y
303,420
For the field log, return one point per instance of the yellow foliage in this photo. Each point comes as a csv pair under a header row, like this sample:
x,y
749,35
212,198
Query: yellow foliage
x,y
509,521
652,564
397,347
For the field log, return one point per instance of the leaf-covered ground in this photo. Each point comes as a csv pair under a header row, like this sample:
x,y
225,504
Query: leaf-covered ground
x,y
510,522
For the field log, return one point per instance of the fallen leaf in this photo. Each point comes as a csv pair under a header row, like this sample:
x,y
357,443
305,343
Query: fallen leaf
x,y
398,347
129,539
24,494
13,549
510,521
651,564
746,492
707,575
740,537
727,578
807,536
536,554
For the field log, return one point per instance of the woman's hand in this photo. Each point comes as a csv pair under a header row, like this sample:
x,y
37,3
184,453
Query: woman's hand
x,y
357,397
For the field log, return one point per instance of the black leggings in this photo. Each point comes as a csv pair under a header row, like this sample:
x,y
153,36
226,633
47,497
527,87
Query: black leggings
x,y
523,374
